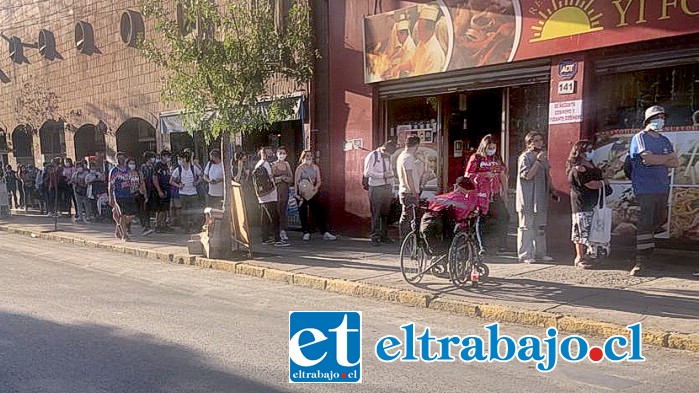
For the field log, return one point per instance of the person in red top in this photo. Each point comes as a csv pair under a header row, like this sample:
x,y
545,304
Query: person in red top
x,y
489,173
463,201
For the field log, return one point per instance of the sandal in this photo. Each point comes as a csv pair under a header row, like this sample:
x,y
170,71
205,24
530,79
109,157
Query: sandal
x,y
581,263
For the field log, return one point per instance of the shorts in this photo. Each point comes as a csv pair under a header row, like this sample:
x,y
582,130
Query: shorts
x,y
127,206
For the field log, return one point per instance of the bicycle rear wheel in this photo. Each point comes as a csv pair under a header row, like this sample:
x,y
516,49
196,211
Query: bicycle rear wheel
x,y
412,259
462,254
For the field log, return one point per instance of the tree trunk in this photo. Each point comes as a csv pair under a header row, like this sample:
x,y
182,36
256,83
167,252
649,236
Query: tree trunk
x,y
226,154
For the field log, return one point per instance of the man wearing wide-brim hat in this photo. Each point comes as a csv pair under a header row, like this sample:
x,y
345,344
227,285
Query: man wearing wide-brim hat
x,y
652,155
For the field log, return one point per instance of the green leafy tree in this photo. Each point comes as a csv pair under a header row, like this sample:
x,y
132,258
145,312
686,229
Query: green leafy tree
x,y
223,58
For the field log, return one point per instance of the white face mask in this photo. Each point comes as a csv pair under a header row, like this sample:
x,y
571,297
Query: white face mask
x,y
132,166
309,161
281,156
657,124
180,162
589,155
490,152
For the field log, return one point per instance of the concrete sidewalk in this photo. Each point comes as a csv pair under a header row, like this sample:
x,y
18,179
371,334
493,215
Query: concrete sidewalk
x,y
597,302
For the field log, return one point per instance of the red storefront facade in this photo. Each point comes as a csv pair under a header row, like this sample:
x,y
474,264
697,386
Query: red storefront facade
x,y
571,69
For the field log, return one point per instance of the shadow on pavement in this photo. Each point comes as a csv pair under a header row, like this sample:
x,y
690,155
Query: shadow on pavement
x,y
44,356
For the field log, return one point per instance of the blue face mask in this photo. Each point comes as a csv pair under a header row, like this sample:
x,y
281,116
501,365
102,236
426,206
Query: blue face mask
x,y
589,155
657,124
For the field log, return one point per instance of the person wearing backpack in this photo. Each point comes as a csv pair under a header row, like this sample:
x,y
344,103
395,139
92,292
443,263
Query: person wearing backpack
x,y
185,178
380,176
266,192
213,174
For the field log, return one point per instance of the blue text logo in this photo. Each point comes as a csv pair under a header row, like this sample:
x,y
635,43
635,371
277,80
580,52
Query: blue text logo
x,y
498,347
325,346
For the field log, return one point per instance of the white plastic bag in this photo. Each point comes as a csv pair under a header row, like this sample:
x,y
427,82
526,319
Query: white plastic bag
x,y
601,228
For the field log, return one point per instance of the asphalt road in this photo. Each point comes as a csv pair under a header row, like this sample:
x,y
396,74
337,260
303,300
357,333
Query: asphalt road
x,y
90,321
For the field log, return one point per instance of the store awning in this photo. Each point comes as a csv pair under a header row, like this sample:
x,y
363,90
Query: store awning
x,y
171,122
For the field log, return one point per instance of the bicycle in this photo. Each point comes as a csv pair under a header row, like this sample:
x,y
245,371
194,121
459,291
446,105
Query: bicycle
x,y
457,264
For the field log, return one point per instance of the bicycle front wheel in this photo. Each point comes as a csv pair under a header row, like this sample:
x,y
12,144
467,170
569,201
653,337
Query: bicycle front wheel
x,y
462,254
412,259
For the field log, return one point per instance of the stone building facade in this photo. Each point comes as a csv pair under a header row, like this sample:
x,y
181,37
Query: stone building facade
x,y
75,101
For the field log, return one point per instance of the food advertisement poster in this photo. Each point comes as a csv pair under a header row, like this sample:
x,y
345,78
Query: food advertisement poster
x,y
447,35
683,204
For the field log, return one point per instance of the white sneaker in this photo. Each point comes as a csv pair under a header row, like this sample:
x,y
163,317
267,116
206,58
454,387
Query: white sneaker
x,y
282,234
328,236
306,237
529,261
546,258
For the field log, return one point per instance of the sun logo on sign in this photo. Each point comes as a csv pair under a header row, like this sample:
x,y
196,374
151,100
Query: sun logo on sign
x,y
565,19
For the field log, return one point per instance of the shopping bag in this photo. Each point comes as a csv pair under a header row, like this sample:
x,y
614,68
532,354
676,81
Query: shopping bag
x,y
601,228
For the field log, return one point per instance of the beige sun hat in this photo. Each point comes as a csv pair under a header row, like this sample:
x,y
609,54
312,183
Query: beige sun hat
x,y
429,12
653,111
403,24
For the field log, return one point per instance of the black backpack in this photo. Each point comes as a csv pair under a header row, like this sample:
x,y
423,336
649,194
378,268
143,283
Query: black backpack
x,y
262,181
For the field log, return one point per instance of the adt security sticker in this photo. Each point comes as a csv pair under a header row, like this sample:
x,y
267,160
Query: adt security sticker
x,y
325,347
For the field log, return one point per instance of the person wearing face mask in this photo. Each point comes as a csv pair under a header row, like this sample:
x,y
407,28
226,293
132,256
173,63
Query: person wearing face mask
x,y
186,177
80,190
308,181
147,201
487,170
121,197
161,185
283,179
586,182
652,155
266,192
534,188
213,174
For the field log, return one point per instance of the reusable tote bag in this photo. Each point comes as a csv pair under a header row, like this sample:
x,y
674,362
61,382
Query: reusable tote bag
x,y
601,229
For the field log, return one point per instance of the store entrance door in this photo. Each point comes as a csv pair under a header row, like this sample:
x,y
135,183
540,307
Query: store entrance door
x,y
469,117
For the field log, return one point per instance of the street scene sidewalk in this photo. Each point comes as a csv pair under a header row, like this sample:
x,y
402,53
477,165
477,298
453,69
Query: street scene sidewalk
x,y
599,301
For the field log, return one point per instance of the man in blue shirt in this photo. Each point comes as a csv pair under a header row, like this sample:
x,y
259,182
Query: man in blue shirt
x,y
652,156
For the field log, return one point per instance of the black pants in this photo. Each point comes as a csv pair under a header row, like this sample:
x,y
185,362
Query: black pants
x,y
380,203
312,205
651,218
143,211
498,218
269,220
432,229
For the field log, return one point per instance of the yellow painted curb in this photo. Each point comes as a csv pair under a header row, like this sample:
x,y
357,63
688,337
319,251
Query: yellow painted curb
x,y
249,270
413,298
309,281
685,342
455,306
279,275
497,313
377,292
226,266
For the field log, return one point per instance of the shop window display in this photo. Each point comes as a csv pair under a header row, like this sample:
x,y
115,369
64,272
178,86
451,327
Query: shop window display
x,y
620,110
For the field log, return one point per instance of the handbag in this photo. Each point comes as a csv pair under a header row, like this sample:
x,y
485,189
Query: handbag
x,y
601,227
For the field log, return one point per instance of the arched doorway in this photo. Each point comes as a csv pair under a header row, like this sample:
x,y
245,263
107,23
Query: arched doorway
x,y
180,141
23,144
135,136
52,139
89,142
